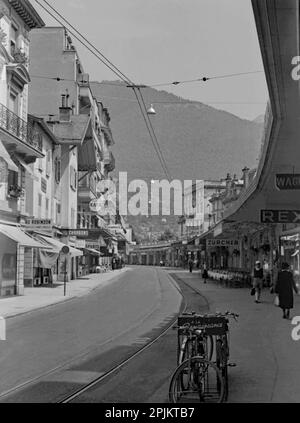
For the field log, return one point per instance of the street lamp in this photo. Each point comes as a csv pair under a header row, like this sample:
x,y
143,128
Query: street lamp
x,y
151,111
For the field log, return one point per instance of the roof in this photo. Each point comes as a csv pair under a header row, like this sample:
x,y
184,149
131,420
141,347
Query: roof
x,y
28,13
44,126
72,132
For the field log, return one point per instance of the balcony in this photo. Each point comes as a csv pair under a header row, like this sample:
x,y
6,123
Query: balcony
x,y
87,190
18,135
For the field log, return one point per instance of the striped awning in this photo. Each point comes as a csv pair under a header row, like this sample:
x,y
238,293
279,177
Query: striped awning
x,y
20,237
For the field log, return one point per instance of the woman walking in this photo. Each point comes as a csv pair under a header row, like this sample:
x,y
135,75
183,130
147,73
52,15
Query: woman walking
x,y
284,288
258,275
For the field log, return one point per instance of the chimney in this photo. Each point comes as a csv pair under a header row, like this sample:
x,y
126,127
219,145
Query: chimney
x,y
65,111
246,171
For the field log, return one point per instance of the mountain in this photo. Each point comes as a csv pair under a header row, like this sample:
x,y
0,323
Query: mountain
x,y
197,141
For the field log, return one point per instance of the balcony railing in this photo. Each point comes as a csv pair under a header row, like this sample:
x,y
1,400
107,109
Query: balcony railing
x,y
17,127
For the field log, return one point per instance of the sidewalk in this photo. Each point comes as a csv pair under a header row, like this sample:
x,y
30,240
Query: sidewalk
x,y
41,297
267,358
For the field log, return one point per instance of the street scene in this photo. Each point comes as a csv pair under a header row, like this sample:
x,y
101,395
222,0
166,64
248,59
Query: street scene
x,y
149,204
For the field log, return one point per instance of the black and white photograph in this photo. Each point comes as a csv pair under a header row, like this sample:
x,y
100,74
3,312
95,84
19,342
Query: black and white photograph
x,y
150,205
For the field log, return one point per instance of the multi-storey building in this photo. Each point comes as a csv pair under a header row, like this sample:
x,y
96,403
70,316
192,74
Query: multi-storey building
x,y
20,142
82,130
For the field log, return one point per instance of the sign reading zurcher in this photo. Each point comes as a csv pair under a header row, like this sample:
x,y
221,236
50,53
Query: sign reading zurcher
x,y
222,242
280,216
287,181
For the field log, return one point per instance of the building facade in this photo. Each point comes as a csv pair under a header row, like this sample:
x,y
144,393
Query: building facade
x,y
20,142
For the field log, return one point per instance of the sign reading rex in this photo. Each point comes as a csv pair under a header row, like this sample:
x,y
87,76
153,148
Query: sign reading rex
x,y
286,181
280,216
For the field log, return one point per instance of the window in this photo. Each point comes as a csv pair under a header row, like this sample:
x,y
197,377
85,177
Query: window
x,y
40,165
58,212
48,164
73,178
13,38
57,170
40,200
13,178
47,207
13,101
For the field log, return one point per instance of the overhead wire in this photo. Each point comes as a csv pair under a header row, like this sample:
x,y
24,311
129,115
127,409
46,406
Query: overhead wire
x,y
87,41
113,68
81,42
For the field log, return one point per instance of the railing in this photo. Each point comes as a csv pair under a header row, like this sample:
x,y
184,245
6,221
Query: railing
x,y
17,127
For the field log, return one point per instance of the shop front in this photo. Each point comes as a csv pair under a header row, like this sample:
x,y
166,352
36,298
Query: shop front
x,y
14,244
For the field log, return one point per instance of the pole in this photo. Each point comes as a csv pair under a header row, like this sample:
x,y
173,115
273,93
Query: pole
x,y
65,277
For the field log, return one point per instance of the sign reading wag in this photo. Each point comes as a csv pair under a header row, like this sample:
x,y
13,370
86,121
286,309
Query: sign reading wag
x,y
285,181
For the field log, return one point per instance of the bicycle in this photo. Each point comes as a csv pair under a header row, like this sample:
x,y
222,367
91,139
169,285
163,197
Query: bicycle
x,y
191,343
222,353
196,377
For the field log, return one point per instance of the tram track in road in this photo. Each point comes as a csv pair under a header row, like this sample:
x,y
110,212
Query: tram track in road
x,y
133,354
185,307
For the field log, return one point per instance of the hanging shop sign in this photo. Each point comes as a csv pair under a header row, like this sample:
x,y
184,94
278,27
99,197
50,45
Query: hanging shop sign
x,y
222,242
280,216
288,181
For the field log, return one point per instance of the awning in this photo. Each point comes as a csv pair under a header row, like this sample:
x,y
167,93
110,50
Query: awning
x,y
6,157
92,251
27,168
57,246
54,243
75,252
20,237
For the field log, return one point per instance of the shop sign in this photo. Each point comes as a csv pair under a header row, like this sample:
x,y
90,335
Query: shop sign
x,y
39,225
288,244
288,181
280,216
80,243
222,242
92,245
75,232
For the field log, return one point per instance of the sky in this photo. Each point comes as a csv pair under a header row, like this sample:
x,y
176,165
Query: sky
x,y
161,41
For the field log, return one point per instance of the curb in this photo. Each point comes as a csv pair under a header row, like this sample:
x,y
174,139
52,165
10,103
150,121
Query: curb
x,y
74,297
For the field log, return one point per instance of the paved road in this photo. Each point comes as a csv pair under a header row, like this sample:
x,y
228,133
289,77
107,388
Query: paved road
x,y
101,328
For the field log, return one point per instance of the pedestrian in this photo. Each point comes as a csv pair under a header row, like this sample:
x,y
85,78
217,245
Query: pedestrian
x,y
284,289
258,275
191,265
204,274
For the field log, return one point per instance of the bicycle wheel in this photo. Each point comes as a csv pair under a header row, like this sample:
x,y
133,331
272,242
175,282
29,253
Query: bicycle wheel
x,y
222,353
196,380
